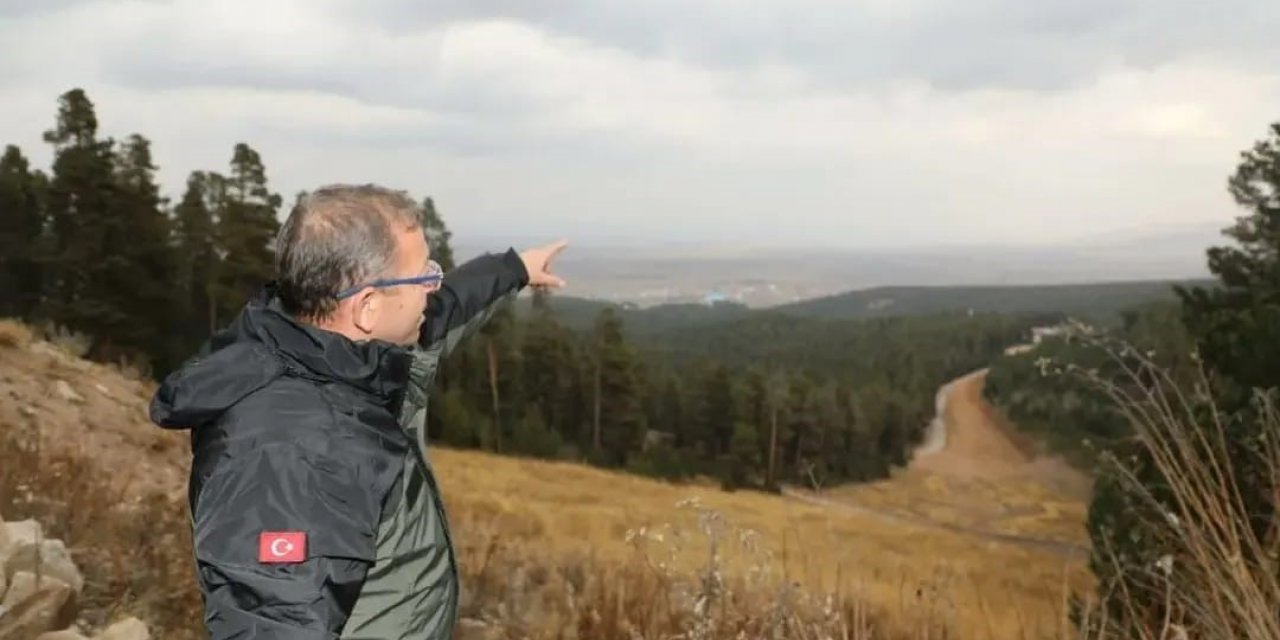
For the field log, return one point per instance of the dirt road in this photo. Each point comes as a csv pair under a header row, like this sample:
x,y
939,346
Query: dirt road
x,y
975,441
969,444
981,443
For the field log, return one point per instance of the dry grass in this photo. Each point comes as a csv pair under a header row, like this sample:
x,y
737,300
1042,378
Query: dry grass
x,y
1015,506
636,559
134,552
518,594
906,574
72,343
14,333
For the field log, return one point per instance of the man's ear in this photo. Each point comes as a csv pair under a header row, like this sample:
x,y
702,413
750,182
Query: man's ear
x,y
365,310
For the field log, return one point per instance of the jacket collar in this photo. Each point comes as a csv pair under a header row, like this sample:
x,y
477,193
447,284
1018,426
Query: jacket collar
x,y
375,367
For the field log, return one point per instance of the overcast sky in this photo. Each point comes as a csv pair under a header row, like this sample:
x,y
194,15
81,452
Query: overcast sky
x,y
859,123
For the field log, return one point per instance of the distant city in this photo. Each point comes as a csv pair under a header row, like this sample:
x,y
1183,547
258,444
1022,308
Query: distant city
x,y
651,276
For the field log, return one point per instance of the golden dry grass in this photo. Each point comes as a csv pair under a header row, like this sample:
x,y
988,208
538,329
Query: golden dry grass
x,y
980,589
14,333
1021,507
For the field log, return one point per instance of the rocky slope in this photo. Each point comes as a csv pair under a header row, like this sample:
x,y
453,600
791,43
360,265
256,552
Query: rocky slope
x,y
40,588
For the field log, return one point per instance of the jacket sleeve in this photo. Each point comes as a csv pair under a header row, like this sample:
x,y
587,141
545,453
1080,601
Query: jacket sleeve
x,y
468,296
256,495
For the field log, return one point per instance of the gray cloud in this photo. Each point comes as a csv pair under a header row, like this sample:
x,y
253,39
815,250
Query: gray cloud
x,y
801,121
20,8
1013,44
26,8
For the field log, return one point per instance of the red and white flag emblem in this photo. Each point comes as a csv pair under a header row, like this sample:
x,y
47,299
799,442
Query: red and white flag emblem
x,y
282,546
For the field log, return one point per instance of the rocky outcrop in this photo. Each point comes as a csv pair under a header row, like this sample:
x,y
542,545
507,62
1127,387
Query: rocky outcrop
x,y
40,586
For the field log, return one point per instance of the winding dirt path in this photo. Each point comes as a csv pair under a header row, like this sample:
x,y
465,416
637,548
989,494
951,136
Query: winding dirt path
x,y
969,440
975,441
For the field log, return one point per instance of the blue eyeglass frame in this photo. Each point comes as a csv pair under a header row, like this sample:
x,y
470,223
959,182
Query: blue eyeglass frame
x,y
436,275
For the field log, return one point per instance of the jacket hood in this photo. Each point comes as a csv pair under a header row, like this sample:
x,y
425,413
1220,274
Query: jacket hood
x,y
263,344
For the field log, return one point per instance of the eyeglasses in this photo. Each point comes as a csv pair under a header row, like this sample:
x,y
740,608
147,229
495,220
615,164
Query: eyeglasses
x,y
434,275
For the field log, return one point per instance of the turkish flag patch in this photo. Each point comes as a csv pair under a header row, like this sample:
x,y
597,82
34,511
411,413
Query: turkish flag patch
x,y
282,546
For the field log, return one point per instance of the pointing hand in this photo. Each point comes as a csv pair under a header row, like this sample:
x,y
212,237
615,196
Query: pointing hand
x,y
537,262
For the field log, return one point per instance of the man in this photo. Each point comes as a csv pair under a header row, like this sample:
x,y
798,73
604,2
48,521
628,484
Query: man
x,y
315,512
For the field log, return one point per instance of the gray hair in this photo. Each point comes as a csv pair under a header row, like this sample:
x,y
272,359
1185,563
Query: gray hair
x,y
337,237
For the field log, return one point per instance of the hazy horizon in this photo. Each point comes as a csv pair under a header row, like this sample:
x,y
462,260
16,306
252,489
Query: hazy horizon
x,y
767,276
797,123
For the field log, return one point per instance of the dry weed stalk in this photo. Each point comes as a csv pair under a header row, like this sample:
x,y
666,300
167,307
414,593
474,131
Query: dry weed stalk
x,y
1220,578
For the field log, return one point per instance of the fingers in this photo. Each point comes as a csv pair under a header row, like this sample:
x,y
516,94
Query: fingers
x,y
555,248
538,261
546,279
546,284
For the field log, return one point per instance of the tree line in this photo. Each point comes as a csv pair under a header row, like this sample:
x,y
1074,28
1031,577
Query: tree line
x,y
754,403
93,246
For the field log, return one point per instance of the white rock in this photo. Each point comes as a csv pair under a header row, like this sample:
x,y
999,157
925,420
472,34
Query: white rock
x,y
24,585
127,629
64,391
48,558
35,613
27,531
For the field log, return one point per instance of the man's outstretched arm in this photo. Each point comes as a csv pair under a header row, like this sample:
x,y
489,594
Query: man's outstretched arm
x,y
282,544
469,294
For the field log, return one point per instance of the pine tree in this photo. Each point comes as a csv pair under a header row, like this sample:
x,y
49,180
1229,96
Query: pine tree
x,y
501,358
196,240
549,371
22,222
671,410
81,230
1238,322
453,372
763,405
142,280
459,425
857,439
743,456
829,423
247,226
801,427
618,416
1237,325
438,235
532,436
717,413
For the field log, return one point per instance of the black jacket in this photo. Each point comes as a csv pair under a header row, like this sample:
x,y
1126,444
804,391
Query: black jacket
x,y
297,430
